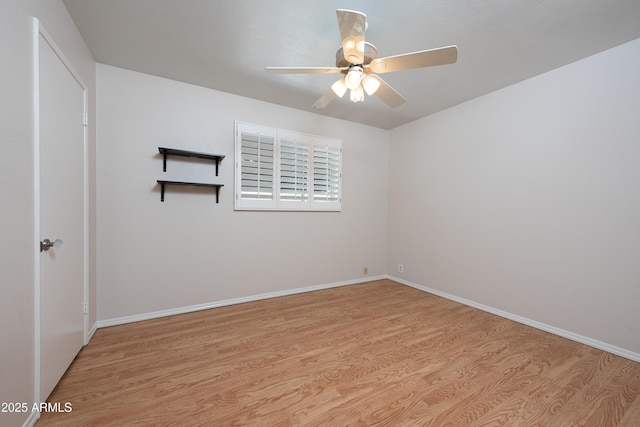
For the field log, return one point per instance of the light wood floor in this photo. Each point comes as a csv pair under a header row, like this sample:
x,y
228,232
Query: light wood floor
x,y
378,353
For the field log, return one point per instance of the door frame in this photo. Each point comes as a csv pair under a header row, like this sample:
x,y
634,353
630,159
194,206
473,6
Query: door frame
x,y
39,31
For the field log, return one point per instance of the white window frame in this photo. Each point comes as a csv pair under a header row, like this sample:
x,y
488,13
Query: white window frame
x,y
306,170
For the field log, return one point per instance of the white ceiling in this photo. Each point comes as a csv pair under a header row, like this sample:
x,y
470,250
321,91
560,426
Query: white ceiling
x,y
225,44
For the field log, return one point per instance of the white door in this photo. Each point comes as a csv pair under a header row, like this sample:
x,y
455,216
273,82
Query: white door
x,y
61,135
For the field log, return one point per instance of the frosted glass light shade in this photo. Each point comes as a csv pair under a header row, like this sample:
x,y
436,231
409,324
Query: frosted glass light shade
x,y
357,94
352,80
370,84
339,87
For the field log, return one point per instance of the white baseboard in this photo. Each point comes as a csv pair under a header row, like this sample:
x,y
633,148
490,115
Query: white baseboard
x,y
92,331
535,324
31,421
215,304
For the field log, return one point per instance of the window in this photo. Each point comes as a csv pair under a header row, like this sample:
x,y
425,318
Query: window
x,y
278,169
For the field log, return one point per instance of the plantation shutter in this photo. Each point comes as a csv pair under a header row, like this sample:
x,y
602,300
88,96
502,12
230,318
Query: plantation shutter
x,y
255,166
294,169
327,174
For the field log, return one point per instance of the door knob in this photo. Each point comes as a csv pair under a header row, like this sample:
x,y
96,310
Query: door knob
x,y
47,244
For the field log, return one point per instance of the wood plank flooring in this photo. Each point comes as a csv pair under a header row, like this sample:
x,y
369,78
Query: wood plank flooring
x,y
377,353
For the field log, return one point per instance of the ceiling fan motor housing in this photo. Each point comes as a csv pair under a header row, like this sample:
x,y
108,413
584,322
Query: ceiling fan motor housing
x,y
370,53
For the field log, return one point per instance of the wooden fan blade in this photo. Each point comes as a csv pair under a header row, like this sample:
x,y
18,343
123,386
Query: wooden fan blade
x,y
325,99
352,26
425,58
385,92
303,70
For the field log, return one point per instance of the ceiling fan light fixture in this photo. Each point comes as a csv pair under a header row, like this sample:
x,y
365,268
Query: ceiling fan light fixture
x,y
370,84
357,94
353,78
339,87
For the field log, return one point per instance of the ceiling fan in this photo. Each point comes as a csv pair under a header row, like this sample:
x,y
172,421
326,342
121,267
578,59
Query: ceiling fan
x,y
358,61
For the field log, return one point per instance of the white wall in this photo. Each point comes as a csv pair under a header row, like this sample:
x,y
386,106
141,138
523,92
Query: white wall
x,y
17,261
527,200
189,250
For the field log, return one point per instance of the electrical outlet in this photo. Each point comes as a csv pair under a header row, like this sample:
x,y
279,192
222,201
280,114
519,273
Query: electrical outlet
x,y
366,270
400,268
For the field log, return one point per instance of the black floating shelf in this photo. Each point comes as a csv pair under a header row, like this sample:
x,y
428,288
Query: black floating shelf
x,y
193,184
185,153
